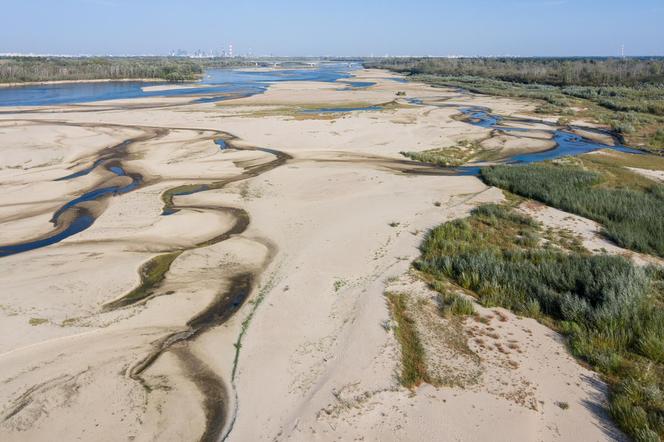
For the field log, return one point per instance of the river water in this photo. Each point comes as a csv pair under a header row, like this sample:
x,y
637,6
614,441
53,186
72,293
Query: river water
x,y
216,85
234,83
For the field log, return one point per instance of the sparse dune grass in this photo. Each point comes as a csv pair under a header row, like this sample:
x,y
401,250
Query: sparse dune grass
x,y
413,365
610,310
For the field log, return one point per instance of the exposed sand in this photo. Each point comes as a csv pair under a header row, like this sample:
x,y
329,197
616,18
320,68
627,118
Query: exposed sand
x,y
327,229
588,231
655,175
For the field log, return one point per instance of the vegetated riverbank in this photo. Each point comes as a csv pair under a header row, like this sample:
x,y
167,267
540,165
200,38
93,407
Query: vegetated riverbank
x,y
626,95
39,69
632,215
609,309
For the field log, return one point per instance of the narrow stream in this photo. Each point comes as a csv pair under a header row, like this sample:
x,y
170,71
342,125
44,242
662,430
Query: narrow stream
x,y
567,142
81,218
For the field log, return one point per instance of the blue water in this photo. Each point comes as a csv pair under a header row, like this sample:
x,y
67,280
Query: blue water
x,y
83,219
79,224
479,116
357,85
98,193
83,172
567,143
217,84
222,82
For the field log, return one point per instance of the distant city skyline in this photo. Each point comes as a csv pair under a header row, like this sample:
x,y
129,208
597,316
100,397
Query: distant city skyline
x,y
341,28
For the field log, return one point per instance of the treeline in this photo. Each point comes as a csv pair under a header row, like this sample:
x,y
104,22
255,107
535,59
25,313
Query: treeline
x,y
25,69
553,71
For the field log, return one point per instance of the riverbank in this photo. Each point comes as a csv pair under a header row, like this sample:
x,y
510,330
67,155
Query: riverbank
x,y
300,256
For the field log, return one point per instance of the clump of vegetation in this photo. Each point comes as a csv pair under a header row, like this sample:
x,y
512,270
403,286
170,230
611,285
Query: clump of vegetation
x,y
657,140
152,273
454,304
37,321
339,284
413,365
609,309
632,218
449,156
562,405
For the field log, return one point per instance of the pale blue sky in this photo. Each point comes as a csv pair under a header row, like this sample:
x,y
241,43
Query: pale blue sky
x,y
342,27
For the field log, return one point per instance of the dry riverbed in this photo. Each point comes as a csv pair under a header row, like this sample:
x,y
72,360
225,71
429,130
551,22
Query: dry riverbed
x,y
261,313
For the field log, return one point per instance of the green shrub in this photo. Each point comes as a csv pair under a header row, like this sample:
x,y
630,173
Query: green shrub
x,y
622,127
603,304
454,304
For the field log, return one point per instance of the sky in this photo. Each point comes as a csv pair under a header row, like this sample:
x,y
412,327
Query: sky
x,y
336,28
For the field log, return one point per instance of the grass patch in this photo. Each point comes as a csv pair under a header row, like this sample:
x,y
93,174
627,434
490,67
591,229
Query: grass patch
x,y
413,365
152,274
632,218
609,309
37,321
449,156
185,189
657,139
458,305
609,160
260,297
339,284
452,304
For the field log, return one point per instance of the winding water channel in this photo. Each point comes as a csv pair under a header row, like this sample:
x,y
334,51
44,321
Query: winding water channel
x,y
73,217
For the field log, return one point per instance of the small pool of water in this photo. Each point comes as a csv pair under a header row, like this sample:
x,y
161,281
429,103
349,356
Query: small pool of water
x,y
352,85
